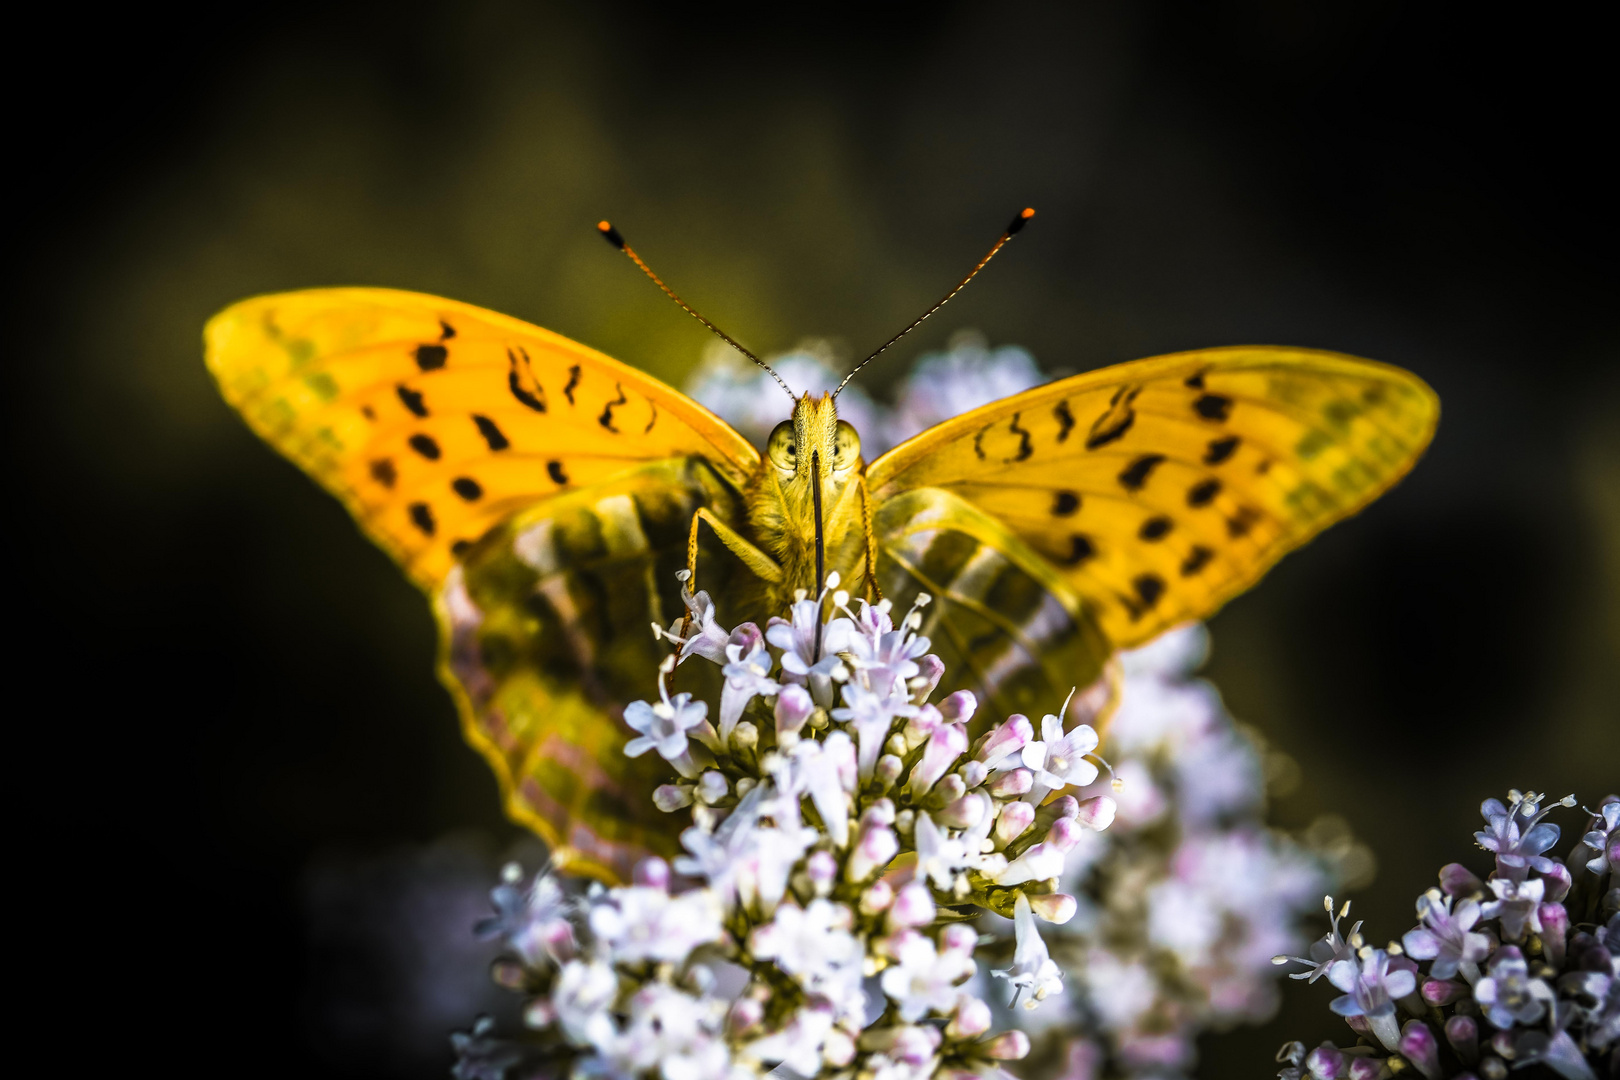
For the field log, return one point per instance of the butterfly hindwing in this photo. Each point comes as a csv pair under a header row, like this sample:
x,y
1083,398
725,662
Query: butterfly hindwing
x,y
1161,488
538,490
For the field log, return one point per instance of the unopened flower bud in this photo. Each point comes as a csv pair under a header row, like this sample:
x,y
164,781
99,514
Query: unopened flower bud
x,y
671,797
745,736
653,872
958,938
1557,882
1554,932
945,746
822,869
913,906
972,1019
838,1050
881,812
1039,863
1326,1062
873,850
930,669
1008,1046
1439,992
748,637
964,813
877,897
746,1015
1064,834
1418,1046
745,785
1053,907
1014,819
887,771
950,788
712,787
974,773
896,745
1457,880
905,821
539,1013
1008,737
1462,1032
1493,1068
1366,1068
918,729
793,708
1504,1043
1097,814
1010,785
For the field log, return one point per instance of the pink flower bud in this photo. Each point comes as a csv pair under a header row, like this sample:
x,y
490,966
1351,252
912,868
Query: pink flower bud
x,y
539,1013
876,846
1462,1032
974,773
950,789
747,636
1554,932
712,787
959,707
945,745
1419,1047
746,1015
1053,907
1005,738
1014,819
1064,834
1503,1042
877,898
1325,1062
1040,863
1442,991
964,813
1365,1068
930,669
1457,880
1008,1046
958,937
914,906
1557,882
652,871
880,812
822,869
888,770
1097,814
1010,785
793,708
972,1019
669,797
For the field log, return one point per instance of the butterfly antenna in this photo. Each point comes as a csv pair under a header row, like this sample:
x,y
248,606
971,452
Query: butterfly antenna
x,y
611,235
1011,231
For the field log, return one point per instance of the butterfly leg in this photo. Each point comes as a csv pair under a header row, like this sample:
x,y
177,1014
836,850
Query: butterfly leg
x,y
761,564
871,545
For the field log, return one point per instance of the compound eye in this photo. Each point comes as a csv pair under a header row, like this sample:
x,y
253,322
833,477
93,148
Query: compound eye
x,y
846,445
782,447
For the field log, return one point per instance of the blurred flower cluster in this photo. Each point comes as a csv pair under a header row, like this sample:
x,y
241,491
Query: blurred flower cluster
x,y
1519,969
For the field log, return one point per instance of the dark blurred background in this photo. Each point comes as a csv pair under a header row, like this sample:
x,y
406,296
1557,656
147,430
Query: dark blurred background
x,y
239,760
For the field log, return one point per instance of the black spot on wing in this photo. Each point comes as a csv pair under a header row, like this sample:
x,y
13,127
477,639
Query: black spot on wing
x,y
1025,446
460,548
467,488
606,419
554,469
1196,560
383,471
1065,503
368,412
1113,424
411,399
1263,468
978,441
1201,493
654,419
517,372
493,435
446,331
1155,528
1080,549
422,517
573,381
1149,588
1065,420
1195,382
1135,475
1373,396
1241,522
1221,449
1213,407
424,445
431,357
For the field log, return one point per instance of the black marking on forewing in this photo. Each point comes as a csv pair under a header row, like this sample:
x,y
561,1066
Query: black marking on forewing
x,y
446,331
554,469
1201,493
1025,446
1263,468
1065,503
383,471
431,357
411,399
1080,549
422,517
514,381
1195,382
573,381
467,488
978,441
368,412
1149,587
1241,522
654,419
606,419
1213,407
1065,420
424,445
1155,528
494,436
460,548
1196,560
1114,423
1221,449
1134,476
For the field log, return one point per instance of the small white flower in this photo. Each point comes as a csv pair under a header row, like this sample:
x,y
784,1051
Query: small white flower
x,y
1058,760
584,993
940,857
664,725
923,979
747,677
1033,969
813,944
642,923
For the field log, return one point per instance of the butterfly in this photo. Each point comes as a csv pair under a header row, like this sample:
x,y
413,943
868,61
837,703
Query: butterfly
x,y
545,496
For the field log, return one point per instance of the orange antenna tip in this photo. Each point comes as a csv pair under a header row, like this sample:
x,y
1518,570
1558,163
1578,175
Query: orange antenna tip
x,y
1018,222
610,234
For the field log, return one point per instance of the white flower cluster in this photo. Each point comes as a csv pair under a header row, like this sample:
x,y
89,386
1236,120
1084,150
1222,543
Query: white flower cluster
x,y
844,828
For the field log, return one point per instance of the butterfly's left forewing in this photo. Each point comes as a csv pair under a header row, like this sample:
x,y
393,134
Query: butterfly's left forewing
x,y
1159,489
539,491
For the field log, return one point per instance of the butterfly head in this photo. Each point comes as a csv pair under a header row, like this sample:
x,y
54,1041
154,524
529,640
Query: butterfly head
x,y
814,442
